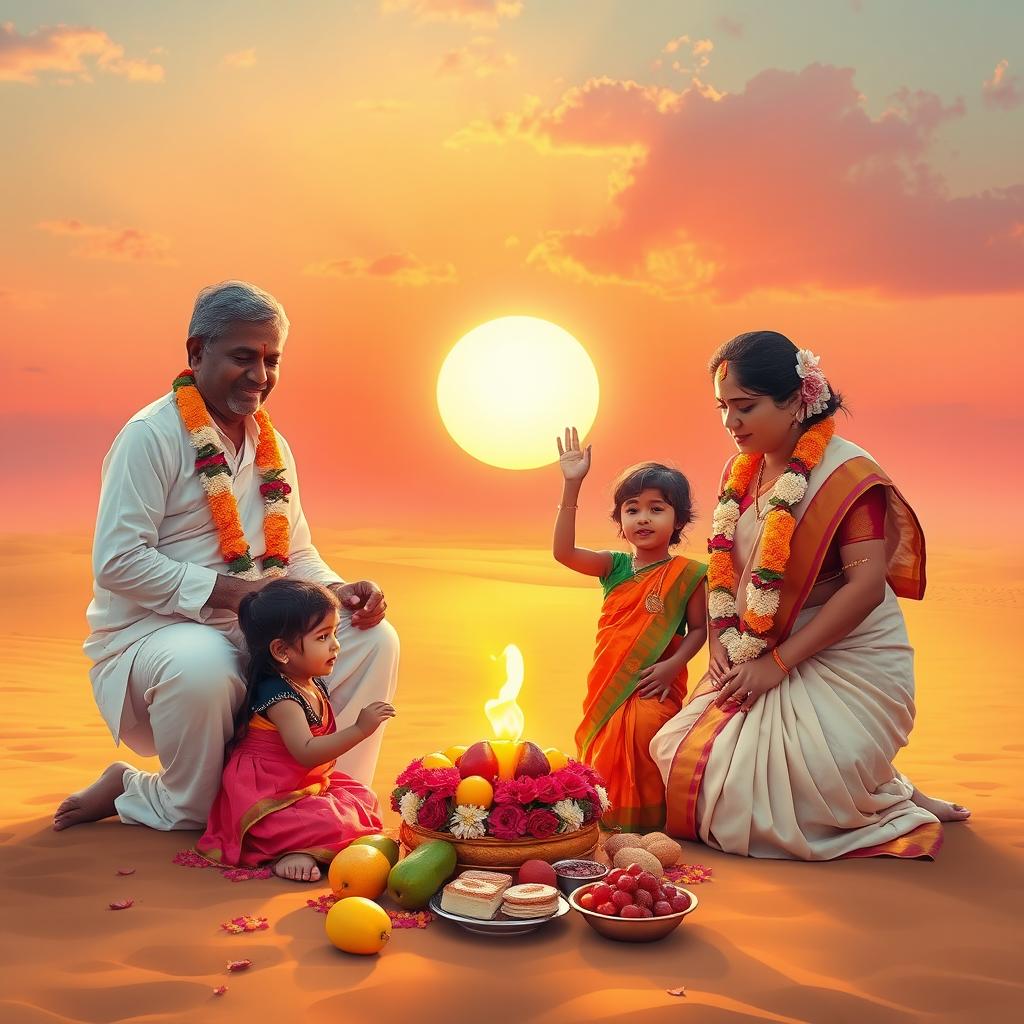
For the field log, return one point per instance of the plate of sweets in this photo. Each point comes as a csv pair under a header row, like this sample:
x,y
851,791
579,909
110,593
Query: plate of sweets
x,y
487,903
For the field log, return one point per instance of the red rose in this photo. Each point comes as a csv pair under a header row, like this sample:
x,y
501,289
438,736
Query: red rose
x,y
412,773
507,821
434,813
525,790
542,823
550,788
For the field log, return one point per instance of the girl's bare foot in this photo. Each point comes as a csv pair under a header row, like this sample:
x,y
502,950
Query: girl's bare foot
x,y
297,867
95,801
942,809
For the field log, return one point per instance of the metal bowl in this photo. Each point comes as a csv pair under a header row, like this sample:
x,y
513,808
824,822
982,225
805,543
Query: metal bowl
x,y
570,883
625,929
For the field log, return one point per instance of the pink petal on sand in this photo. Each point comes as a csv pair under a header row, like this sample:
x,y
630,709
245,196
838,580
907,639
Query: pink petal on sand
x,y
676,991
122,904
246,923
220,990
238,965
126,871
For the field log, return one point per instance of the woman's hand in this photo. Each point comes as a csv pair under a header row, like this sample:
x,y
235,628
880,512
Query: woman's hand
x,y
373,716
745,683
656,680
718,661
572,460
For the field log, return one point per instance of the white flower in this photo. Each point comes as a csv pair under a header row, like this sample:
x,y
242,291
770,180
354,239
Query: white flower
x,y
762,602
409,807
203,436
790,488
468,822
725,517
806,362
721,605
570,814
602,795
743,646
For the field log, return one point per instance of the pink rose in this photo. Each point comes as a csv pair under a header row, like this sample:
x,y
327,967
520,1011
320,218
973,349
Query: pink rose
x,y
550,789
542,823
507,822
526,790
413,773
812,388
575,786
438,781
433,814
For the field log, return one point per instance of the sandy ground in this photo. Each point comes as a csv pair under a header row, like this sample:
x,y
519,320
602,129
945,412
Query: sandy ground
x,y
876,940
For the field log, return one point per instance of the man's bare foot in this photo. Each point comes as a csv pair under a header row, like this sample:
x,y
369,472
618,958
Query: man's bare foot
x,y
297,867
93,802
942,809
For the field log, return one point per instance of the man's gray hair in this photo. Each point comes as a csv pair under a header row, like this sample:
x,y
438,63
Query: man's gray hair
x,y
220,305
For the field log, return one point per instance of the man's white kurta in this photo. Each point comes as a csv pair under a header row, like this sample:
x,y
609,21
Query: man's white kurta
x,y
156,553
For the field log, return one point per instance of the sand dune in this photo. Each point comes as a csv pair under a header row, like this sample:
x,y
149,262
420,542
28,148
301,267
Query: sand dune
x,y
872,940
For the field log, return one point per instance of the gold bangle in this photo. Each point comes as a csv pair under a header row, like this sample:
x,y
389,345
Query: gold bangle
x,y
779,661
560,507
850,565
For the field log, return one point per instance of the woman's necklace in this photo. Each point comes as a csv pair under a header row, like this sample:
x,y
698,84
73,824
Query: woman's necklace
x,y
653,602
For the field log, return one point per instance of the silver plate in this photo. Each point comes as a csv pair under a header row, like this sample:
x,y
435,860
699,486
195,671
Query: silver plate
x,y
497,926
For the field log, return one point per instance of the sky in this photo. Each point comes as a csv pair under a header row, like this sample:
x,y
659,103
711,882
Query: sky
x,y
653,177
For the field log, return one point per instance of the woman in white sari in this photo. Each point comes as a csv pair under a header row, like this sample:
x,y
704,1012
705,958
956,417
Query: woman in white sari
x,y
785,748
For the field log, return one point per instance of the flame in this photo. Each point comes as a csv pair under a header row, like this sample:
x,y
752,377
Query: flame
x,y
505,715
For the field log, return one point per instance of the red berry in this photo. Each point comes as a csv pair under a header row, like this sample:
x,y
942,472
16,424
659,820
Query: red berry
x,y
587,901
632,911
635,870
602,893
627,883
646,912
608,910
662,908
649,883
668,892
642,898
613,876
680,903
621,898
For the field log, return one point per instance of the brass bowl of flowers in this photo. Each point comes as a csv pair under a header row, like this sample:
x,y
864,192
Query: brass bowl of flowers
x,y
508,854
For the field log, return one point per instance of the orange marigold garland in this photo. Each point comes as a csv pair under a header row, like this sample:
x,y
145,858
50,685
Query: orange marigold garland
x,y
215,476
746,639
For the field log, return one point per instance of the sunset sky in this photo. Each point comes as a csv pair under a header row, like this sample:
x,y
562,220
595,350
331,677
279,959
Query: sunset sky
x,y
654,177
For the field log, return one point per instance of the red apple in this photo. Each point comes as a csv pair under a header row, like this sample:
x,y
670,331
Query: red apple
x,y
539,871
479,759
532,761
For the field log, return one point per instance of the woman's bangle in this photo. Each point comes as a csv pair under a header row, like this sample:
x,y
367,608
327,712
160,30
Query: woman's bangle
x,y
779,661
560,507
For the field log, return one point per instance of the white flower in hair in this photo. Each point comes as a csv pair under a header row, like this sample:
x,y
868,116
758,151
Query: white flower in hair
x,y
806,362
814,391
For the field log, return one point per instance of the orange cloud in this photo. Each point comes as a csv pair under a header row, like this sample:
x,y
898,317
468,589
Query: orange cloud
x,y
68,51
1002,91
380,106
240,59
481,13
120,245
789,185
401,267
478,58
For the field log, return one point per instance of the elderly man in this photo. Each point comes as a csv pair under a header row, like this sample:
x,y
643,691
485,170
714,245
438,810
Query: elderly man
x,y
165,642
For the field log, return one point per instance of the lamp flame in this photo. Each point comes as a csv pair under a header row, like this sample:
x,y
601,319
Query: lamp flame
x,y
505,715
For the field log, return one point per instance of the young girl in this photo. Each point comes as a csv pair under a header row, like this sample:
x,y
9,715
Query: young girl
x,y
653,621
278,802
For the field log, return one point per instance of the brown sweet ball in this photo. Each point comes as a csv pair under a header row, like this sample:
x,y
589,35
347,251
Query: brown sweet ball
x,y
668,851
616,842
634,855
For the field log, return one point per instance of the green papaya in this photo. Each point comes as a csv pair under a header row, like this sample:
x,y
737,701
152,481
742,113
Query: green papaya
x,y
417,877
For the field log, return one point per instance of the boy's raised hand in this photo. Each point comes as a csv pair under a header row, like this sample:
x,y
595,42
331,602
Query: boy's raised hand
x,y
573,461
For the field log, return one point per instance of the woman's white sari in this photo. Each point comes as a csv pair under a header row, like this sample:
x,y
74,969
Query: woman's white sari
x,y
807,773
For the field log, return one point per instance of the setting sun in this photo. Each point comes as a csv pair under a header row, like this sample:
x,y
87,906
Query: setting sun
x,y
509,386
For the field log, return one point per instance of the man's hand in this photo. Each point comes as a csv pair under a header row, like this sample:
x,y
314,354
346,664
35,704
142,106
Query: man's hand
x,y
364,599
228,591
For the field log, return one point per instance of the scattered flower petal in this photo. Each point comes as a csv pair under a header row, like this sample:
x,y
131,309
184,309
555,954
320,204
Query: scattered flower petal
x,y
688,874
404,919
246,923
191,859
122,904
238,965
322,903
126,871
246,874
220,990
676,991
